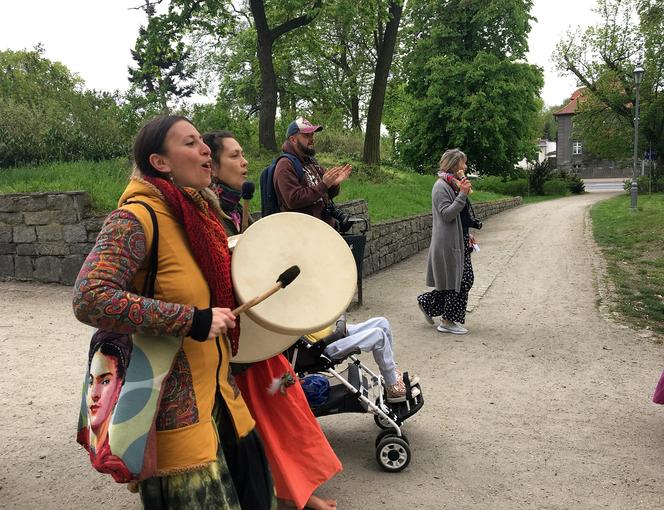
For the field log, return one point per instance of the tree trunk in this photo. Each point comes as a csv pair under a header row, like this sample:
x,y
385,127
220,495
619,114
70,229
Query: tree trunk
x,y
265,38
355,113
375,113
268,105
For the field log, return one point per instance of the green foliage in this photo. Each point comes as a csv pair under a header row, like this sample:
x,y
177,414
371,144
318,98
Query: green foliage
x,y
340,142
556,187
216,116
548,126
497,184
164,70
539,173
103,180
576,185
603,59
469,85
646,185
634,248
391,192
44,115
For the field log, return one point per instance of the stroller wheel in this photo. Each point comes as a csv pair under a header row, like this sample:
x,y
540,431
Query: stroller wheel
x,y
393,454
389,433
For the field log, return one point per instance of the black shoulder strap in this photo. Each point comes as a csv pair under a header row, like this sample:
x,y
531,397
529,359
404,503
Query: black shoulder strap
x,y
151,277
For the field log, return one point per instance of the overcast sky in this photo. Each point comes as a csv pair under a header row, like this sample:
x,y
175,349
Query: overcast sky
x,y
93,37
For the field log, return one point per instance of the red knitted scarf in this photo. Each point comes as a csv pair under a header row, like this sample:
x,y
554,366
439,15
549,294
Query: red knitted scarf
x,y
208,242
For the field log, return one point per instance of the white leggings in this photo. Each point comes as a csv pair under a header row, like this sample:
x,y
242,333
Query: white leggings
x,y
373,335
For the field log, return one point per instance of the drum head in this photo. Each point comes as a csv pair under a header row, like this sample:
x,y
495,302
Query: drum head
x,y
258,343
322,291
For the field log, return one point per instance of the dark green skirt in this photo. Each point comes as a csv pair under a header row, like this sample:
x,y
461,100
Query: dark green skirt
x,y
238,480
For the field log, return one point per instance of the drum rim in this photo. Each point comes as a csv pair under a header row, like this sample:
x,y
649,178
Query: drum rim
x,y
311,327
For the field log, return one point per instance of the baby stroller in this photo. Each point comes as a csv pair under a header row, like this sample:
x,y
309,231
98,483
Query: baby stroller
x,y
356,389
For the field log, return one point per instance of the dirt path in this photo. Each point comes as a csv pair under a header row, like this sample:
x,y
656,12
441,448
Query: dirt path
x,y
545,404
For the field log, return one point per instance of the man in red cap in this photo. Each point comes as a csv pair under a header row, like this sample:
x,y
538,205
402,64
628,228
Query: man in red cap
x,y
317,188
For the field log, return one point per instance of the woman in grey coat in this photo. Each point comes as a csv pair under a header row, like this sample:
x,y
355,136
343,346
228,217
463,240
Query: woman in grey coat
x,y
449,269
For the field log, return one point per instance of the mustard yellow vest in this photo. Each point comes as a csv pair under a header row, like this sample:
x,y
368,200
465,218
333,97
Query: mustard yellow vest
x,y
180,280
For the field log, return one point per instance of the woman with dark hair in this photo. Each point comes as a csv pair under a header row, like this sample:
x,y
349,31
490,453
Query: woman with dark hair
x,y
200,404
283,417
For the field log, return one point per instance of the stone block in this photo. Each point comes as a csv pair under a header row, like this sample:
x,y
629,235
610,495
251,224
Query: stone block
x,y
52,232
67,217
75,233
5,234
6,265
24,234
26,249
80,248
70,268
11,218
48,269
23,268
37,217
81,202
92,236
60,201
52,248
32,202
7,248
9,203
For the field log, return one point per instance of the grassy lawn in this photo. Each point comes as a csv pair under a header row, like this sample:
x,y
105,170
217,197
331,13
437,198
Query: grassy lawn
x,y
390,191
633,244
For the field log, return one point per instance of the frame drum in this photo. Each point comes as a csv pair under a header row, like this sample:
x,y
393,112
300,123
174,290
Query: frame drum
x,y
318,296
258,343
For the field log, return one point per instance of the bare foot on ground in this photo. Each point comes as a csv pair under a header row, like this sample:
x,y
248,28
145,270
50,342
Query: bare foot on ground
x,y
316,503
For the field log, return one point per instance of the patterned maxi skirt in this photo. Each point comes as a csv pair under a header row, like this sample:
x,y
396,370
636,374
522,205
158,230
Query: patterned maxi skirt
x,y
450,304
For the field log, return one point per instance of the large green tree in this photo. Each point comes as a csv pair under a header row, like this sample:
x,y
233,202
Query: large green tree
x,y
603,59
469,84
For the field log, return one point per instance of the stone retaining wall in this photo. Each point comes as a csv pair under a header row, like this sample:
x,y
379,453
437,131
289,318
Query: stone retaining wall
x,y
46,236
389,242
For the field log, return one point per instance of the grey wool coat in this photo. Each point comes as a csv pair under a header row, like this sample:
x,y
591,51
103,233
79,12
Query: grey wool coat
x,y
446,251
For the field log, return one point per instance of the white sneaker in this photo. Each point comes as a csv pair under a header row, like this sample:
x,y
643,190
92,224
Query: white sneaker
x,y
454,328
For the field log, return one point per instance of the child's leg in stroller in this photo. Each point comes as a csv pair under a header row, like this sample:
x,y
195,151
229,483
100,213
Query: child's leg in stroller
x,y
371,336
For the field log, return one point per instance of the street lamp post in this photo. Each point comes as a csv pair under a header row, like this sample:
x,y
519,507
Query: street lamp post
x,y
638,76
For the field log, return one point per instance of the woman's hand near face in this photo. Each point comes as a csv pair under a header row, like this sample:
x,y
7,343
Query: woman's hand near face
x,y
222,321
465,186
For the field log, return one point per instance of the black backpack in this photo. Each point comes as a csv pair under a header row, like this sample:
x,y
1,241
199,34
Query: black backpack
x,y
269,201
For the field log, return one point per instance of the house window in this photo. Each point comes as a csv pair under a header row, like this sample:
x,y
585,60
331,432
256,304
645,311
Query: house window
x,y
577,147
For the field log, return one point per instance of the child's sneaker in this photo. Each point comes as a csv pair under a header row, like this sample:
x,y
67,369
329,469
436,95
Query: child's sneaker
x,y
397,392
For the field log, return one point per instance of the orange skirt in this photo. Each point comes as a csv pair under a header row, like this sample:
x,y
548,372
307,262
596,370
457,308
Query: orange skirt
x,y
300,457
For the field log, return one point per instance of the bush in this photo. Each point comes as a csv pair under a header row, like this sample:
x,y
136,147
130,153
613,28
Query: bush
x,y
555,187
495,184
539,174
576,185
491,183
644,184
340,141
516,187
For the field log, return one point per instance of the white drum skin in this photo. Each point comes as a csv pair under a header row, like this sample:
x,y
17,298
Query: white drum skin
x,y
318,296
